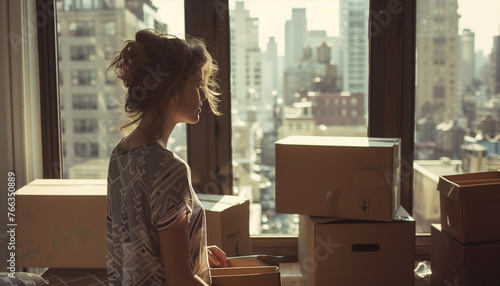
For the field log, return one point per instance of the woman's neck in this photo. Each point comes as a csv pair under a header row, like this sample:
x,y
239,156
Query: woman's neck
x,y
153,128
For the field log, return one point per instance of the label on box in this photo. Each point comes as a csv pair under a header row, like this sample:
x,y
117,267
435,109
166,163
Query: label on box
x,y
364,206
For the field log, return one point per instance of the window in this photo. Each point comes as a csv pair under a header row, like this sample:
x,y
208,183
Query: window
x,y
111,103
68,4
89,91
85,126
82,53
270,102
83,77
81,28
84,101
87,5
86,149
109,28
222,162
108,5
108,52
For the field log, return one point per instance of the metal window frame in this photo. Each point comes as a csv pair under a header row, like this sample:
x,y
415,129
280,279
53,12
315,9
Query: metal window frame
x,y
49,91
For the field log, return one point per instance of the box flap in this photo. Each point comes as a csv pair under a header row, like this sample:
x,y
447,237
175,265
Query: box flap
x,y
339,141
64,182
246,276
227,199
64,187
471,187
254,260
219,203
402,215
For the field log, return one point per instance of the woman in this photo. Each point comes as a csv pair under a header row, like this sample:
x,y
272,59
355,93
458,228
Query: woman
x,y
155,223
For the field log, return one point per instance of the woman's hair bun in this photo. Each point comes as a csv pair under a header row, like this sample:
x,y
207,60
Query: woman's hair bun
x,y
154,66
147,36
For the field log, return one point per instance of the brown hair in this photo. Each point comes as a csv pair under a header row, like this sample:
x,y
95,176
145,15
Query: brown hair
x,y
154,66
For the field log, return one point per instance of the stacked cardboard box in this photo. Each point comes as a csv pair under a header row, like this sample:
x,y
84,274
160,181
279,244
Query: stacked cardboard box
x,y
465,247
246,271
347,191
60,224
227,223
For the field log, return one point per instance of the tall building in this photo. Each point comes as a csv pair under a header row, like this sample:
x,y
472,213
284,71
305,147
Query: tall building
x,y
295,35
146,13
270,83
354,46
466,64
437,62
246,59
89,33
480,61
495,68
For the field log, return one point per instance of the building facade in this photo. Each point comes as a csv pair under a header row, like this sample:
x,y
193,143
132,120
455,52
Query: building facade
x,y
89,33
295,36
467,64
246,62
495,68
437,64
354,45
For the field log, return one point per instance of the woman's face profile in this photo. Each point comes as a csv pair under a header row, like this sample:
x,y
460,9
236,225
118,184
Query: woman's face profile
x,y
188,101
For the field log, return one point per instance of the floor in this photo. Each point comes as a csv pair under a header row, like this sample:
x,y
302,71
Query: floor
x,y
291,275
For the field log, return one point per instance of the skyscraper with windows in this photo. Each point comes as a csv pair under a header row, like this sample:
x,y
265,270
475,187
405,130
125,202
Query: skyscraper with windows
x,y
437,63
270,84
295,36
354,46
246,60
89,33
467,63
495,68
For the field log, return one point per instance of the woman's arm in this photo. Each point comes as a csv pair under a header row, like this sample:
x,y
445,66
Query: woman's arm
x,y
174,247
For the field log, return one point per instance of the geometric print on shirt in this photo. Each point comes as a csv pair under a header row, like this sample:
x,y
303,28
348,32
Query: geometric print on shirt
x,y
149,189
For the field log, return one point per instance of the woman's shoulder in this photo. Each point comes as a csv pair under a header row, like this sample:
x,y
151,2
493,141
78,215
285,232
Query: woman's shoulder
x,y
163,160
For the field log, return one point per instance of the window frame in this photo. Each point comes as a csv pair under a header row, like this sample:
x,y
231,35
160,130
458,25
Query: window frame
x,y
391,98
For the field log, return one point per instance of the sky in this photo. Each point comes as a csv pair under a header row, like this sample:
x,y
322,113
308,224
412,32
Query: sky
x,y
481,16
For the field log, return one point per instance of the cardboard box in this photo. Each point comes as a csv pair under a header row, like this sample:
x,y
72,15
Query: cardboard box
x,y
246,276
334,251
349,177
76,276
246,271
228,219
61,224
454,263
469,206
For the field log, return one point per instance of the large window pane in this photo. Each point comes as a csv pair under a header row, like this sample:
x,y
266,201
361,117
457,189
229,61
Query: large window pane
x,y
297,68
457,96
88,36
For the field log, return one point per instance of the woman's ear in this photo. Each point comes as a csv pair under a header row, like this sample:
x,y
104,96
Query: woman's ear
x,y
174,98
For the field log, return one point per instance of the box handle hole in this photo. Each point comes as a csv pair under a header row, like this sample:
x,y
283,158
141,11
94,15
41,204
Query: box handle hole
x,y
369,247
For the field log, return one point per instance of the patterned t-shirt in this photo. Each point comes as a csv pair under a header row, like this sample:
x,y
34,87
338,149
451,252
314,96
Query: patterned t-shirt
x,y
149,189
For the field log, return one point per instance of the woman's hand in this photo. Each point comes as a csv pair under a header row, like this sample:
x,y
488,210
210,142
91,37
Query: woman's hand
x,y
217,257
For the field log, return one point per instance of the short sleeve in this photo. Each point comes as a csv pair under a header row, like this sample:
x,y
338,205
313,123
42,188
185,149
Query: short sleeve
x,y
171,194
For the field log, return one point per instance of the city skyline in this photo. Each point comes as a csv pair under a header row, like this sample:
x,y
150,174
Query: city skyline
x,y
320,18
